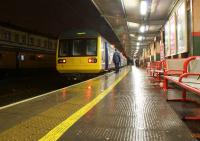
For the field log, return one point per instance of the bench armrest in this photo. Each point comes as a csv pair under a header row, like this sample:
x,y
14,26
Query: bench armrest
x,y
187,74
186,63
173,72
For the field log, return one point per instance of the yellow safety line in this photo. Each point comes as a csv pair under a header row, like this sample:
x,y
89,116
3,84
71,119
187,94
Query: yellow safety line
x,y
59,130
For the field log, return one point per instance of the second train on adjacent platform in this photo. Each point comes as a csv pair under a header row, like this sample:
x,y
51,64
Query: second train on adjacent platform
x,y
84,52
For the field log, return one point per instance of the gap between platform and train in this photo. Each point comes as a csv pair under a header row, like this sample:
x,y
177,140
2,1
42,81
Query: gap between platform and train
x,y
59,130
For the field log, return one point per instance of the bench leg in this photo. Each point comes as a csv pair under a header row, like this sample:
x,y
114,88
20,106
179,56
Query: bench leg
x,y
158,77
183,99
155,77
165,84
184,94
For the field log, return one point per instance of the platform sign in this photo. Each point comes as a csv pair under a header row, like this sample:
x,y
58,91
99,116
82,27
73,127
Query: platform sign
x,y
182,28
167,40
172,22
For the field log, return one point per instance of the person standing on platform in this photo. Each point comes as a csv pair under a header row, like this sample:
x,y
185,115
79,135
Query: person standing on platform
x,y
116,60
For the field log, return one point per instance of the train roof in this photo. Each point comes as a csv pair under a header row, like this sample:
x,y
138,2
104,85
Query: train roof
x,y
79,33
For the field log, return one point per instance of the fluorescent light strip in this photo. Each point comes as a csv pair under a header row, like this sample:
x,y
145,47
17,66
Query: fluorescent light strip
x,y
140,38
132,35
143,8
142,28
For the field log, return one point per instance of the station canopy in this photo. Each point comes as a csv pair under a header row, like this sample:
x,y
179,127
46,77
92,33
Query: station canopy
x,y
119,21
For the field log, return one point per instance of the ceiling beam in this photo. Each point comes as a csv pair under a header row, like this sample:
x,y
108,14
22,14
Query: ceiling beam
x,y
144,40
130,19
147,34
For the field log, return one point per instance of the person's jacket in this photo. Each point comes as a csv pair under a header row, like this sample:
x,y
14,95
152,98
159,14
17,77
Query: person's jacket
x,y
116,58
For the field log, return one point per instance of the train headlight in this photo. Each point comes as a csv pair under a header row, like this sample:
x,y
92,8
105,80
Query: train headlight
x,y
61,60
92,60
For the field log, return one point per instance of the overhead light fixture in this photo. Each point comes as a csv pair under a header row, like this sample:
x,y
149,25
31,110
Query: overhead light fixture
x,y
143,7
133,25
137,47
132,35
81,33
142,29
129,4
146,28
138,43
140,38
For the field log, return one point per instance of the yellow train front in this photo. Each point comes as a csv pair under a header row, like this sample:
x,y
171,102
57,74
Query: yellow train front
x,y
83,52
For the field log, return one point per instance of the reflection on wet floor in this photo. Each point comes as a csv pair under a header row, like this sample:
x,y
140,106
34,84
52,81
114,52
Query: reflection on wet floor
x,y
183,108
186,109
18,88
134,110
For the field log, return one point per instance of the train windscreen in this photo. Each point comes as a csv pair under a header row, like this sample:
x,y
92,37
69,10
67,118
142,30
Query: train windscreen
x,y
77,47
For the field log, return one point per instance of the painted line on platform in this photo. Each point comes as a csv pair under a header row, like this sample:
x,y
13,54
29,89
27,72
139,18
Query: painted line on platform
x,y
48,93
59,130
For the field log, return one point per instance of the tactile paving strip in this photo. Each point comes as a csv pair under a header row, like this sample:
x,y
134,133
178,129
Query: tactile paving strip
x,y
39,116
130,113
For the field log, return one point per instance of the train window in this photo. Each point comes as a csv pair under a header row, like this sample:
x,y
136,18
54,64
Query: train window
x,y
16,37
50,45
91,47
65,48
32,57
84,47
7,35
45,43
31,40
78,47
23,38
55,45
39,42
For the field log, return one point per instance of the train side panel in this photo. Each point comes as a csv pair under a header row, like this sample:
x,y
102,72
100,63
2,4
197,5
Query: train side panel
x,y
107,55
7,59
111,51
24,50
30,60
103,53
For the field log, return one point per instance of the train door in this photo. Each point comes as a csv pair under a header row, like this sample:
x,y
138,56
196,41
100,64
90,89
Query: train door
x,y
106,56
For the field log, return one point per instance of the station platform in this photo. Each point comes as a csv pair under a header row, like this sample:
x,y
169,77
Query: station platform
x,y
122,106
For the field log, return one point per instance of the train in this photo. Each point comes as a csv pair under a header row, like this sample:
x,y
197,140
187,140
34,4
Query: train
x,y
83,52
22,50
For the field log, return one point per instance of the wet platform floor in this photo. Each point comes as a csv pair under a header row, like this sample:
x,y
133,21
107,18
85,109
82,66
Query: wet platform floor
x,y
134,109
